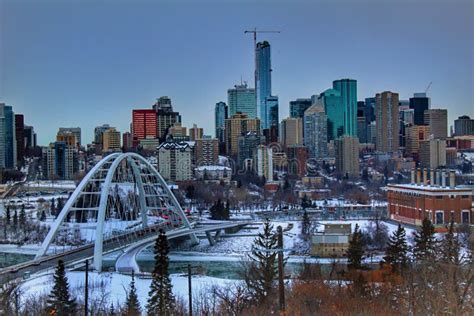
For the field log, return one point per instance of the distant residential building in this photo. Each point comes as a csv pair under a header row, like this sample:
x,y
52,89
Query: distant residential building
x,y
221,113
464,126
174,161
144,125
348,90
437,120
440,202
414,135
452,157
111,141
60,161
20,138
150,144
242,99
333,242
98,133
68,137
247,152
207,151
178,131
165,117
387,119
213,174
433,153
419,103
347,155
264,162
8,150
291,131
297,156
298,107
195,132
76,131
315,131
462,143
236,126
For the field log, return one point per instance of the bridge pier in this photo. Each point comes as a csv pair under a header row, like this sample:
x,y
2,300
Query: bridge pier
x,y
211,239
217,235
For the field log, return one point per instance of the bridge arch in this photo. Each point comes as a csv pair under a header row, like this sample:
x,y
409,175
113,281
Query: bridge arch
x,y
99,197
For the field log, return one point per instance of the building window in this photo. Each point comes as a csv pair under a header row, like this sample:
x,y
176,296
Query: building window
x,y
465,217
439,217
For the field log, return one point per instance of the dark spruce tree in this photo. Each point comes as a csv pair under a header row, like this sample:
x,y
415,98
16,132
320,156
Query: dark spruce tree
x,y
450,247
15,220
22,218
424,248
161,301
53,207
305,225
59,302
355,252
262,269
132,305
396,254
8,215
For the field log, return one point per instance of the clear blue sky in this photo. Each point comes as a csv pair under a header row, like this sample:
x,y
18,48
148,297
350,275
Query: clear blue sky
x,y
85,63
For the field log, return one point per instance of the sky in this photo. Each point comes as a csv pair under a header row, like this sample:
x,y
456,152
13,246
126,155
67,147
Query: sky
x,y
87,63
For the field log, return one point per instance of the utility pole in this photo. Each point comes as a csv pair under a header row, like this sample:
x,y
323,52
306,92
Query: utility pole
x,y
86,288
190,292
281,272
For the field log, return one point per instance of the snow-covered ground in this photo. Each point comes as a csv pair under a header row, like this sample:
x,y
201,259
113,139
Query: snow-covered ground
x,y
114,286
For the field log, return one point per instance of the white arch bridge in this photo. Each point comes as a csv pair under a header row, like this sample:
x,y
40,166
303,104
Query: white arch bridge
x,y
122,199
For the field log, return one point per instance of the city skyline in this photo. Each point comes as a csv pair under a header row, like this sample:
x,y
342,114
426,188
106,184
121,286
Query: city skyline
x,y
54,64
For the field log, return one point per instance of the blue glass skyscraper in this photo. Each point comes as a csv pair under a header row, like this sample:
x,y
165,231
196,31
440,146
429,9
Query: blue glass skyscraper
x,y
348,90
264,82
7,137
220,114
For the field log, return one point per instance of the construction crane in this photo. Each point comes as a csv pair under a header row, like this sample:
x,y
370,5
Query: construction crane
x,y
428,87
255,31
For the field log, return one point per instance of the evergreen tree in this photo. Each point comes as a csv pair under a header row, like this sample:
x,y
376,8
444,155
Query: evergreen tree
x,y
22,217
219,211
8,215
305,224
53,207
424,248
15,220
397,250
161,300
355,252
305,202
263,267
450,247
42,216
59,302
132,305
59,206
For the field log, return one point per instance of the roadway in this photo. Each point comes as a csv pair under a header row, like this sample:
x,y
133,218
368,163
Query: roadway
x,y
126,263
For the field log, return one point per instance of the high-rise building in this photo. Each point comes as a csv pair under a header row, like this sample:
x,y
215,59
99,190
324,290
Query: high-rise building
x,y
432,153
271,113
74,130
247,151
388,122
111,141
236,126
298,107
291,131
143,125
437,120
178,132
165,117
361,122
242,99
333,107
347,155
464,126
297,156
220,115
20,138
67,137
60,161
264,82
195,132
348,90
175,161
315,131
264,162
127,140
98,132
419,103
414,135
207,151
8,151
30,137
